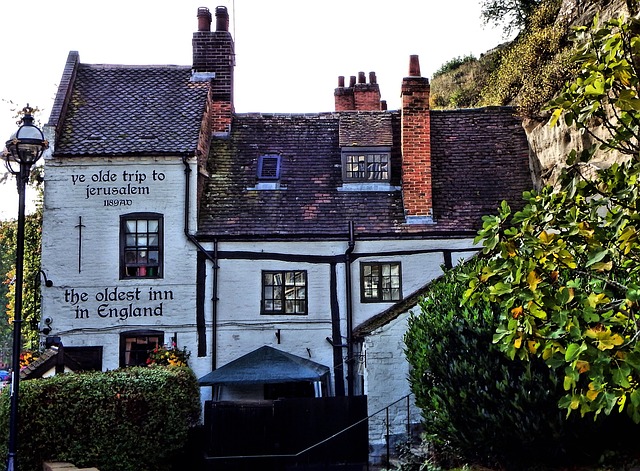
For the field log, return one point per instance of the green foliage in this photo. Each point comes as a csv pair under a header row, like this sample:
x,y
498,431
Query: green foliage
x,y
454,64
534,67
122,420
565,269
477,405
31,276
459,83
511,14
606,88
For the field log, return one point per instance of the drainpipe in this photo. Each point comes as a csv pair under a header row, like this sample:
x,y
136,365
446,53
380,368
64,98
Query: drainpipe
x,y
212,259
347,257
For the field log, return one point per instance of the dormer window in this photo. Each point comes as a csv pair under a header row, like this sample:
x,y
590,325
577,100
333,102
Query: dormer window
x,y
269,167
367,165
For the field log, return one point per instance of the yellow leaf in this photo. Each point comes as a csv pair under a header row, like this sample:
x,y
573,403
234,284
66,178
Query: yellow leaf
x,y
595,299
545,237
575,402
517,312
532,346
603,266
533,279
517,343
592,393
583,230
605,339
582,366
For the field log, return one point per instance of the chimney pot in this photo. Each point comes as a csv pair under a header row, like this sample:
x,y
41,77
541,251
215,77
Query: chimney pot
x,y
372,77
361,78
204,19
414,66
352,81
222,19
341,81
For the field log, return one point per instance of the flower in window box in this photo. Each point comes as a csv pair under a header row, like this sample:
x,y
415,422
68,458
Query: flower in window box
x,y
168,356
26,358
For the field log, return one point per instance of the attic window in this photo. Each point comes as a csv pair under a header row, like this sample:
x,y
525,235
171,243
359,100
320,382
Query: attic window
x,y
269,167
366,165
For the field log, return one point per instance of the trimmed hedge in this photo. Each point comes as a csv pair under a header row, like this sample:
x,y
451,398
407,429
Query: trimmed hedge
x,y
121,420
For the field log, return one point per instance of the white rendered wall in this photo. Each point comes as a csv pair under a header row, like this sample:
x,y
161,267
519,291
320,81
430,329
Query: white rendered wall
x,y
89,304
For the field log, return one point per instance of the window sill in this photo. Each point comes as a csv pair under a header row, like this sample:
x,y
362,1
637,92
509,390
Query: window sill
x,y
386,187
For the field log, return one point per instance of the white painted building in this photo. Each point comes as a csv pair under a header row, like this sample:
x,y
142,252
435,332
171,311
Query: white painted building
x,y
169,218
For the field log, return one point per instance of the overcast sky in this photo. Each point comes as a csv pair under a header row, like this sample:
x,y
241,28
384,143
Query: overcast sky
x,y
289,53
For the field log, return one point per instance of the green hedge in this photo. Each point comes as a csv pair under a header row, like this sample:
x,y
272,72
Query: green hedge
x,y
477,405
124,420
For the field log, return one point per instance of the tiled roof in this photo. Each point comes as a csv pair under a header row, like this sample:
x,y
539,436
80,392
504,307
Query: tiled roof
x,y
479,157
363,129
125,110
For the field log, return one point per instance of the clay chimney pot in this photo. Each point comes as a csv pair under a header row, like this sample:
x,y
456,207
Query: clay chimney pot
x,y
222,19
204,19
414,66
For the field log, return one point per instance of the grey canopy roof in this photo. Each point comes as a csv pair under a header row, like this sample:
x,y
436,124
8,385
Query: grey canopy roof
x,y
266,365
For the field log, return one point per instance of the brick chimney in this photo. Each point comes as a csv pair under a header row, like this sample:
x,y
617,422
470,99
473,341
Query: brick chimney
x,y
361,96
416,147
214,60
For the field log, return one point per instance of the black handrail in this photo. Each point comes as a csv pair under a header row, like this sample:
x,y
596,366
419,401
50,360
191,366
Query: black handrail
x,y
322,442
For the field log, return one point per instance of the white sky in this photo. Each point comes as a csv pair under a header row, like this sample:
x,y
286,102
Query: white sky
x,y
289,53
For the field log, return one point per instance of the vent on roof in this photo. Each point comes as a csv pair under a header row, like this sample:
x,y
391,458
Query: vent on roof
x,y
269,167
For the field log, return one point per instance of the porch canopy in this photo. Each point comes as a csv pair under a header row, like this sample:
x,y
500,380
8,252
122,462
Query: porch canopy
x,y
266,365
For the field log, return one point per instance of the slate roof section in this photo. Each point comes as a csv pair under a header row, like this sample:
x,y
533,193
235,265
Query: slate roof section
x,y
132,110
479,157
364,129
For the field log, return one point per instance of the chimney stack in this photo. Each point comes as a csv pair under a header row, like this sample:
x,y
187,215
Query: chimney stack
x,y
416,147
360,96
214,61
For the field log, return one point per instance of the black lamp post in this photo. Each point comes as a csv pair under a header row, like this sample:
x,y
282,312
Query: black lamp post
x,y
23,149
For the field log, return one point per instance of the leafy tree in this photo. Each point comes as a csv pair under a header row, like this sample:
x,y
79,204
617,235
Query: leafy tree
x,y
511,14
31,283
565,268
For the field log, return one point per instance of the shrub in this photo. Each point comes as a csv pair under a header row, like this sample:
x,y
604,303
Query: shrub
x,y
124,420
477,405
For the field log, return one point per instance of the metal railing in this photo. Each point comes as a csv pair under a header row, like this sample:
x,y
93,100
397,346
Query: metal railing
x,y
300,456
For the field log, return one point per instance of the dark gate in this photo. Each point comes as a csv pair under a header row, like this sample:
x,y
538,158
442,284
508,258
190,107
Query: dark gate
x,y
320,433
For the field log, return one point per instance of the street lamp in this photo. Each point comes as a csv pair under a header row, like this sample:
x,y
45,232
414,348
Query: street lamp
x,y
23,149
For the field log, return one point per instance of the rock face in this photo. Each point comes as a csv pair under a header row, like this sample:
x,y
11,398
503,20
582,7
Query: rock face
x,y
550,146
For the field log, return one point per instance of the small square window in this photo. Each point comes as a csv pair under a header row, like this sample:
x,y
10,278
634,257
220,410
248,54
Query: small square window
x,y
269,167
284,292
380,282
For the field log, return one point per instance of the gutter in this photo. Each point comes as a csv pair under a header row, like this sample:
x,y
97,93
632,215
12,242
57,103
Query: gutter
x,y
349,313
205,252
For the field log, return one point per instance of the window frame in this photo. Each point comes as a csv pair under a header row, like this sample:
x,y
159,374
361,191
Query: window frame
x,y
379,298
138,216
138,334
366,152
282,311
261,167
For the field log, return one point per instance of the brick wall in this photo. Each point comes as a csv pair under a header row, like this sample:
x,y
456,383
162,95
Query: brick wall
x,y
361,96
416,144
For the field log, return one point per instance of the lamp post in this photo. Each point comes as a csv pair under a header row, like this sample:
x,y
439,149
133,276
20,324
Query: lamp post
x,y
23,149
